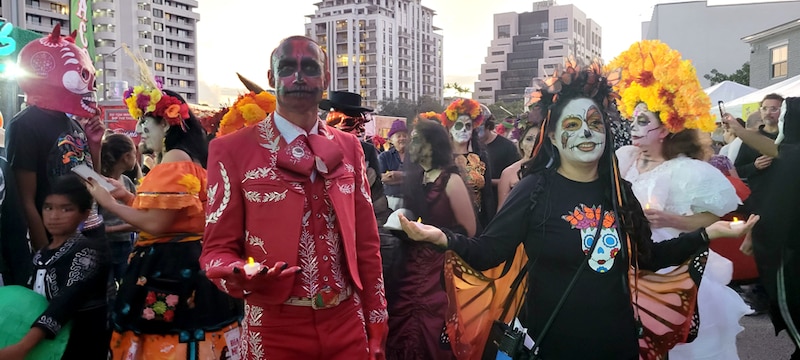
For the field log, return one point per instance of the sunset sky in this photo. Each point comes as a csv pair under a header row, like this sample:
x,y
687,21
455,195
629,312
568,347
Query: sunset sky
x,y
238,35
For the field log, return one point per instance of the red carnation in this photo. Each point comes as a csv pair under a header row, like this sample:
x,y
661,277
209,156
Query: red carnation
x,y
646,78
151,298
168,315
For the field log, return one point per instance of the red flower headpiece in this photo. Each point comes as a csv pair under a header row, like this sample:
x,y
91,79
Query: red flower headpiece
x,y
174,111
460,107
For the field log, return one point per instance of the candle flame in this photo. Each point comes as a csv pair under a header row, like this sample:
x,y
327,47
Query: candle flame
x,y
419,219
250,261
735,219
647,206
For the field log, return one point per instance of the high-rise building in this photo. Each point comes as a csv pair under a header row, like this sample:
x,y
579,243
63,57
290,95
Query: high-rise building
x,y
381,49
533,44
163,31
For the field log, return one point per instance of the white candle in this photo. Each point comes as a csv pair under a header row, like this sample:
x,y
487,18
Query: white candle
x,y
252,267
737,224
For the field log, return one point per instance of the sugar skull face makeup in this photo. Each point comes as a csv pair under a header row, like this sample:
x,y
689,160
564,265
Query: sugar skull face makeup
x,y
645,125
580,132
461,131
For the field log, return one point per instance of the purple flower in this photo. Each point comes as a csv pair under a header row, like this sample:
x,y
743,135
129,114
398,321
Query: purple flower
x,y
128,92
142,101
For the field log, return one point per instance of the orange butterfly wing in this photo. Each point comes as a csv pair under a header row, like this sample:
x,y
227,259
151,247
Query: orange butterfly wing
x,y
475,301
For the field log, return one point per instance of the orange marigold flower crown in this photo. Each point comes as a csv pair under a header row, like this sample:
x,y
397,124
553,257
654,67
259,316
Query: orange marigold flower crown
x,y
656,75
249,109
460,107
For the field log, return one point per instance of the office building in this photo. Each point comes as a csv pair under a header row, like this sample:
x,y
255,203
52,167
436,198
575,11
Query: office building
x,y
533,44
163,31
381,49
711,36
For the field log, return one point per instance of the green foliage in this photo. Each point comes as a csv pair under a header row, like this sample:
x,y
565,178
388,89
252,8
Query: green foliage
x,y
458,88
408,108
741,76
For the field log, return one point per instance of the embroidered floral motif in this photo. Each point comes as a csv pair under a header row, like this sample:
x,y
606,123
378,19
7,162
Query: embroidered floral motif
x,y
257,197
50,323
159,306
213,217
260,173
378,316
253,314
83,265
212,194
52,282
349,168
254,348
267,134
380,291
255,241
308,258
213,263
334,242
347,189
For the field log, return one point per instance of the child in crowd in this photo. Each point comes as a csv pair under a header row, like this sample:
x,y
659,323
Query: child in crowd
x,y
71,272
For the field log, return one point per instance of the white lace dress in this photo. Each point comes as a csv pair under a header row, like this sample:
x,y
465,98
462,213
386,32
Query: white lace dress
x,y
687,186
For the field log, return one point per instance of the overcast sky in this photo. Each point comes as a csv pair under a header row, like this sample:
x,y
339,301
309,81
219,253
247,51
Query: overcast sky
x,y
238,35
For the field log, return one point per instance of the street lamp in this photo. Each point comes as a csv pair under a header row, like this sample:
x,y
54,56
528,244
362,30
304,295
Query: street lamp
x,y
105,82
568,44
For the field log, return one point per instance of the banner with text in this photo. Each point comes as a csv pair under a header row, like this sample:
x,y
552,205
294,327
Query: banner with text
x,y
80,20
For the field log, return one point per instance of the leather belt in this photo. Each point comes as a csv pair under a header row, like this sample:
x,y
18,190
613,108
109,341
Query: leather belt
x,y
323,299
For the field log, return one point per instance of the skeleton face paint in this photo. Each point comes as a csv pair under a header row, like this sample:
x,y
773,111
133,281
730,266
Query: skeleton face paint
x,y
645,125
152,135
461,131
420,150
298,73
580,132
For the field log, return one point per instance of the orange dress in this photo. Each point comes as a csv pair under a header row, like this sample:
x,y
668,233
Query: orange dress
x,y
166,308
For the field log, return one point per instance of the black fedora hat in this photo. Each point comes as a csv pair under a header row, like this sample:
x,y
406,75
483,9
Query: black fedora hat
x,y
343,101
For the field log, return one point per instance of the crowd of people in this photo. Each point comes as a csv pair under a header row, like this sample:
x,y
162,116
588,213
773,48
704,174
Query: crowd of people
x,y
292,235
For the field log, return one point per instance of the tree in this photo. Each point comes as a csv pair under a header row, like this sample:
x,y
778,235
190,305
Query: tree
x,y
741,76
514,108
460,90
408,108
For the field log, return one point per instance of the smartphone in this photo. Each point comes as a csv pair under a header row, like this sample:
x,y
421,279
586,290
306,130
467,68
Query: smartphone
x,y
722,112
86,172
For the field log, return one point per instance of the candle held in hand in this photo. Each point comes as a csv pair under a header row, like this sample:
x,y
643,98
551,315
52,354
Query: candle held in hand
x,y
252,267
737,224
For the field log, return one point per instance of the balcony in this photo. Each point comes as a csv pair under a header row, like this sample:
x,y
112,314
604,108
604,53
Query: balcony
x,y
341,40
144,27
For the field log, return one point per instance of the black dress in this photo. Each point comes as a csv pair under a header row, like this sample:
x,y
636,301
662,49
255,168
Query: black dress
x,y
73,278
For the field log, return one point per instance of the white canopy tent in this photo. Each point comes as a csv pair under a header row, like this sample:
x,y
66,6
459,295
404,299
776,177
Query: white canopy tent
x,y
748,103
727,91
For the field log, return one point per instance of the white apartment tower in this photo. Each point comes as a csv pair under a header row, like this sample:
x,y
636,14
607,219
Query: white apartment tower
x,y
381,49
163,31
533,44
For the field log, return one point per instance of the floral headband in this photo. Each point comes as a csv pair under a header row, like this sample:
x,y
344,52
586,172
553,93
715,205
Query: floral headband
x,y
142,101
462,107
656,75
249,109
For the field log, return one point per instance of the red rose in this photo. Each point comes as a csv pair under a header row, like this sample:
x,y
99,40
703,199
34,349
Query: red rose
x,y
168,315
151,298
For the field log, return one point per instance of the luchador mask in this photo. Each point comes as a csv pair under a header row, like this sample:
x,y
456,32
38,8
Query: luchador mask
x,y
580,131
59,75
461,131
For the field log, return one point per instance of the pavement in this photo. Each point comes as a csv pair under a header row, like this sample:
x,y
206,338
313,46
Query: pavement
x,y
758,342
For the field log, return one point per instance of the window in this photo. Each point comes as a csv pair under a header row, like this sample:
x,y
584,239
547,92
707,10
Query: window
x,y
159,53
780,61
489,71
561,25
159,66
158,13
158,40
504,31
158,26
498,52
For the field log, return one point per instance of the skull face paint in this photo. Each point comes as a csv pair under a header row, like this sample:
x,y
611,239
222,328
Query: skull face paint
x,y
419,150
461,131
151,134
61,75
580,132
298,72
644,128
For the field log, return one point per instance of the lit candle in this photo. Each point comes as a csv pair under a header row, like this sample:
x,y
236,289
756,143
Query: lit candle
x,y
419,219
647,206
737,224
252,267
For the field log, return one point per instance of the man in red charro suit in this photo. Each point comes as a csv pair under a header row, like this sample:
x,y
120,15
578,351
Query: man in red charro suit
x,y
291,192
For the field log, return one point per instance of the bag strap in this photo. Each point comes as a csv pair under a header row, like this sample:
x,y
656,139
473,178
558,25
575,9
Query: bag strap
x,y
563,299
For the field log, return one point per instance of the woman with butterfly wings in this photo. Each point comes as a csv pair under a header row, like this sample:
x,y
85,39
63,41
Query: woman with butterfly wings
x,y
591,290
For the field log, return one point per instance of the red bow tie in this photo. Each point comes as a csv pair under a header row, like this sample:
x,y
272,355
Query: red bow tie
x,y
307,153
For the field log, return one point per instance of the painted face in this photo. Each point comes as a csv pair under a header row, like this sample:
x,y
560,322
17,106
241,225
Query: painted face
x,y
580,132
419,150
526,142
61,216
152,135
298,73
644,128
602,260
461,131
61,75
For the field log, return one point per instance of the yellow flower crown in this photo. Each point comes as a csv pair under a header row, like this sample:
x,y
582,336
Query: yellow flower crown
x,y
141,101
656,75
463,107
249,109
